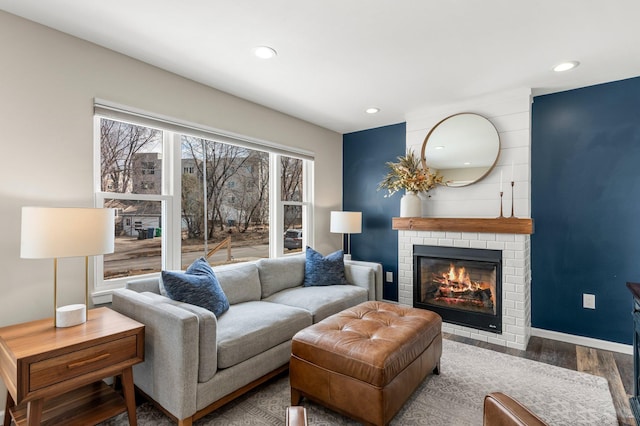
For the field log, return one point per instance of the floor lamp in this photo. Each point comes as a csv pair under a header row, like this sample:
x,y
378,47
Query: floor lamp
x,y
346,223
50,232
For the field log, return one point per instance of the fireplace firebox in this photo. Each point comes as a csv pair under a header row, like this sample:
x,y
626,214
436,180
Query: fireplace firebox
x,y
463,285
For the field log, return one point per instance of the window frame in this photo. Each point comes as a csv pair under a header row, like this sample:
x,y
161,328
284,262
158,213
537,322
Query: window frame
x,y
169,196
277,250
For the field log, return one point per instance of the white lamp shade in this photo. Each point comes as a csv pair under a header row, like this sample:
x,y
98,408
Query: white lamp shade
x,y
51,232
346,222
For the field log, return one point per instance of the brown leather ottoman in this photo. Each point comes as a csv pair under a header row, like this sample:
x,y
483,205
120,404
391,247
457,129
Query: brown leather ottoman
x,y
366,361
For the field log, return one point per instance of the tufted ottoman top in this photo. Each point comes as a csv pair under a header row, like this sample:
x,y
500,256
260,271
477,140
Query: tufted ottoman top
x,y
371,342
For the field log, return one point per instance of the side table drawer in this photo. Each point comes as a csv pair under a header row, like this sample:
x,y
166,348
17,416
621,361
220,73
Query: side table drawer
x,y
64,367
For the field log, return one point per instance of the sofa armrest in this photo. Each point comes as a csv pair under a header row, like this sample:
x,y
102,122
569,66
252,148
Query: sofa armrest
x,y
502,410
207,332
150,284
361,276
169,373
376,294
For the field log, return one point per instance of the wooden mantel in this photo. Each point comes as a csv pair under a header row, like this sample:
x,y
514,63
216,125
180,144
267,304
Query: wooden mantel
x,y
497,225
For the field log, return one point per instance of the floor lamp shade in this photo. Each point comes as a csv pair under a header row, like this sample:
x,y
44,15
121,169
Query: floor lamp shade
x,y
52,232
346,223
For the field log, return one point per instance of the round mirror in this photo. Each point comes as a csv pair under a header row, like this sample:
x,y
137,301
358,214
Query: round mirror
x,y
462,148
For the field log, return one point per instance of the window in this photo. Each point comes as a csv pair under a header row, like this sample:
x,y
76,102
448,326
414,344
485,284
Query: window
x,y
219,193
179,196
127,153
291,192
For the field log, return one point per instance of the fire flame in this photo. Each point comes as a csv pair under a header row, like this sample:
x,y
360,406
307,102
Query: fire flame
x,y
455,287
460,279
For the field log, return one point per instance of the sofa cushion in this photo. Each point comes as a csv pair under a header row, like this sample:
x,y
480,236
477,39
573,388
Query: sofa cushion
x,y
280,273
240,281
324,270
321,301
198,286
207,330
250,328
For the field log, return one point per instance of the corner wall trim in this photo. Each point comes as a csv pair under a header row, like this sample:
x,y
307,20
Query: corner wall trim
x,y
583,341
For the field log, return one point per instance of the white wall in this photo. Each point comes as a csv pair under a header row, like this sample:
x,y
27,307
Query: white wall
x,y
510,113
48,81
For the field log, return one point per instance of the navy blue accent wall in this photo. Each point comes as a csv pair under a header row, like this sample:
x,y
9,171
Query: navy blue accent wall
x,y
585,182
364,156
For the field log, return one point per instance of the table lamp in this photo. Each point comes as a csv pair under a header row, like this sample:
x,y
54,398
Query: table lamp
x,y
346,223
53,232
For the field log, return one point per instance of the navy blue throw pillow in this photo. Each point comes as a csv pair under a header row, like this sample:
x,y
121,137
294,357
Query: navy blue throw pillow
x,y
198,286
324,270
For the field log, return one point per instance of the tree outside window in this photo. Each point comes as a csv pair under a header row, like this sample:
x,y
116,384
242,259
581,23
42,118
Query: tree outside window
x,y
224,193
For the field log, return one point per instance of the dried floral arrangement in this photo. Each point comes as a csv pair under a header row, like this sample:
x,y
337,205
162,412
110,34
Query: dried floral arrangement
x,y
409,175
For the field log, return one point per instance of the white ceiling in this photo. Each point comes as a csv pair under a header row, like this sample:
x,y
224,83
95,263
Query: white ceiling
x,y
338,57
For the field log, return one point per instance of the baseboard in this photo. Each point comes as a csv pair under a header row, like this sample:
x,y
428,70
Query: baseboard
x,y
583,341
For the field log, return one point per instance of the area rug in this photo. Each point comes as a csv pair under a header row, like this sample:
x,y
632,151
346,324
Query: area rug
x,y
455,397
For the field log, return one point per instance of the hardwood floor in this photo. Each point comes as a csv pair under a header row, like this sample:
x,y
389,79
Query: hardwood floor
x,y
617,368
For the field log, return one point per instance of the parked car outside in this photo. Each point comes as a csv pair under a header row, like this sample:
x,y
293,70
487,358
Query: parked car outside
x,y
293,239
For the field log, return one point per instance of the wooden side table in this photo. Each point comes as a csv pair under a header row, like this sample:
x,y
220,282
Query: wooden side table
x,y
54,375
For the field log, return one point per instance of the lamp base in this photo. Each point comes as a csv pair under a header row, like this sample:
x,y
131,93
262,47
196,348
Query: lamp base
x,y
70,315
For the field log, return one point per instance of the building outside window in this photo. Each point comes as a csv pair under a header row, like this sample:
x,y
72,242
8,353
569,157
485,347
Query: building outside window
x,y
148,167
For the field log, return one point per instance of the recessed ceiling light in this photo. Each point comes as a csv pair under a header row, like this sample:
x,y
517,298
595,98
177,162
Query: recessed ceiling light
x,y
467,163
439,147
372,110
566,66
264,52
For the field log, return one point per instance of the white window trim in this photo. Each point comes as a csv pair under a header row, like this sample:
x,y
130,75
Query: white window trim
x,y
276,239
275,234
307,208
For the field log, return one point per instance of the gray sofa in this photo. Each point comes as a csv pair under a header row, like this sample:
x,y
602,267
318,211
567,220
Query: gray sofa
x,y
195,362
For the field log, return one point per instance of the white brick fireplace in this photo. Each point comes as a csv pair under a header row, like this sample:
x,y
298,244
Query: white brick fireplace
x,y
516,279
510,113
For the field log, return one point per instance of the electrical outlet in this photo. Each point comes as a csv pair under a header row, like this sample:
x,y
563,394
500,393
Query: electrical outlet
x,y
588,301
389,276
